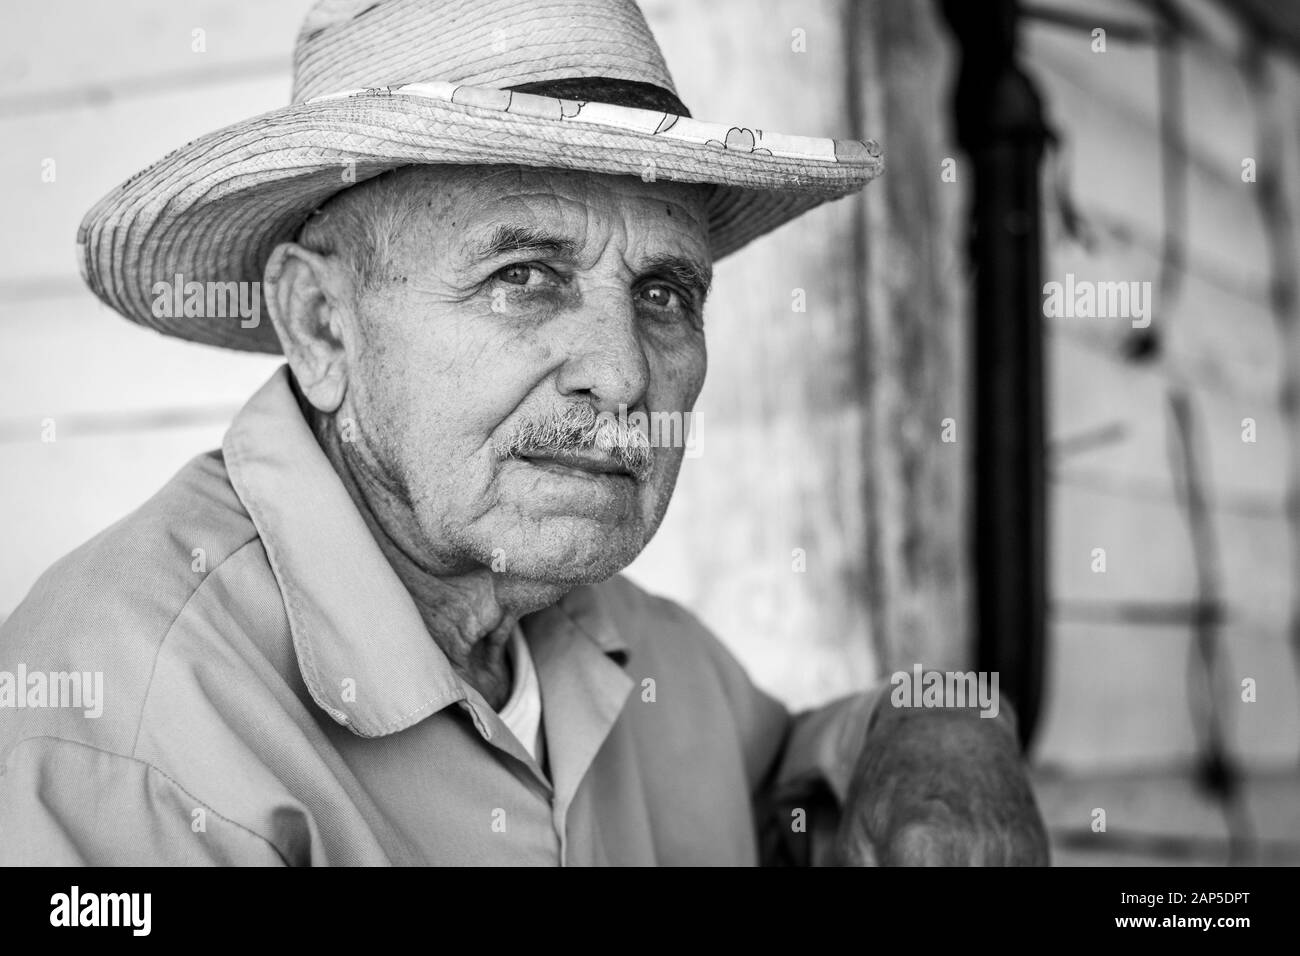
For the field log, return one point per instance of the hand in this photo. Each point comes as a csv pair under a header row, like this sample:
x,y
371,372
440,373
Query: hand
x,y
942,787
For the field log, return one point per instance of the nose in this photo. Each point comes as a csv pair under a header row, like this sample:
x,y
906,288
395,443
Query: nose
x,y
607,362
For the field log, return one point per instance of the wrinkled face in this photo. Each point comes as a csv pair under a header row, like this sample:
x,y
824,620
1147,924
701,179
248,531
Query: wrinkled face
x,y
510,297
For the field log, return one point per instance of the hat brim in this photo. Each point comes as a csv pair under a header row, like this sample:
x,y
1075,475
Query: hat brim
x,y
212,211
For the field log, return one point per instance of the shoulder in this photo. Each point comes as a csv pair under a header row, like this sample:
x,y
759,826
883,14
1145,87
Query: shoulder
x,y
106,607
148,564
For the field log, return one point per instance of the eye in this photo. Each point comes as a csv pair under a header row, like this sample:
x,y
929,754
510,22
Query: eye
x,y
516,274
663,296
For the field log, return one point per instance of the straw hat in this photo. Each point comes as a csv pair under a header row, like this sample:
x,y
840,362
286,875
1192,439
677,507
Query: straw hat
x,y
569,84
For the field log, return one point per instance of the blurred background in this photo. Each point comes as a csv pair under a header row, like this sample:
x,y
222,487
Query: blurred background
x,y
903,461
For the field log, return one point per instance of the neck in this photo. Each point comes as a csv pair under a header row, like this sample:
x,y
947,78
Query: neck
x,y
469,614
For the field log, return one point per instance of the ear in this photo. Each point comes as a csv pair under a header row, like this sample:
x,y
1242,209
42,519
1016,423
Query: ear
x,y
311,302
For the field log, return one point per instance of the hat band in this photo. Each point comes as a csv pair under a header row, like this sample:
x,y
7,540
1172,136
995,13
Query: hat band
x,y
604,89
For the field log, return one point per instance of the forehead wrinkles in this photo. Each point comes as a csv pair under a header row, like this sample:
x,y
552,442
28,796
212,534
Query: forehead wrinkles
x,y
595,211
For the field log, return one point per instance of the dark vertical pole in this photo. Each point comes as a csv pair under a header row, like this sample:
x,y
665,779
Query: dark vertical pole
x,y
1000,127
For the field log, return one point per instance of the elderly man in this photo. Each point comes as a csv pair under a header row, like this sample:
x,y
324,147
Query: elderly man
x,y
384,623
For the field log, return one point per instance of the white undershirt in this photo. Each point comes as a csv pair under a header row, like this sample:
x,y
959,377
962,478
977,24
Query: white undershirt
x,y
522,713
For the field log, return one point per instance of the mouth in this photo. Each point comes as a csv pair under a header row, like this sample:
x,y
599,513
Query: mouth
x,y
588,463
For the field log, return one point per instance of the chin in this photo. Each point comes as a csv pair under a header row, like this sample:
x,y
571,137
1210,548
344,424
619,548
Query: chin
x,y
571,551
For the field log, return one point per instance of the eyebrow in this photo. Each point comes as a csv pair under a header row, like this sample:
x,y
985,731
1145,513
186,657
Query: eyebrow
x,y
506,239
693,275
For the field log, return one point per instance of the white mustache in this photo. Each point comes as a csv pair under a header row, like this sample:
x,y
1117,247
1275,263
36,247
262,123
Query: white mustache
x,y
578,428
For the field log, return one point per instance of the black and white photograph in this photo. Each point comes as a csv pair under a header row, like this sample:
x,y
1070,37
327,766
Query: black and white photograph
x,y
597,433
